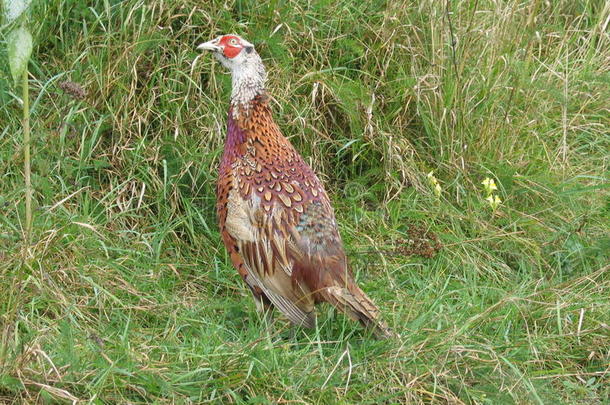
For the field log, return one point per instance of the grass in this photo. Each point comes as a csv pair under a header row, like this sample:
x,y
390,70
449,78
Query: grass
x,y
126,294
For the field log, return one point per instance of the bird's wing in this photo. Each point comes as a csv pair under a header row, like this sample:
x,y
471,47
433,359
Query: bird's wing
x,y
321,265
286,233
262,242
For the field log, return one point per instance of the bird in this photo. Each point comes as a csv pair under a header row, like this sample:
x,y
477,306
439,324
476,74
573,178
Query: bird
x,y
275,217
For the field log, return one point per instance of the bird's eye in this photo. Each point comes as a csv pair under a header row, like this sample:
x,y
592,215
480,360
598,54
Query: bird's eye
x,y
233,42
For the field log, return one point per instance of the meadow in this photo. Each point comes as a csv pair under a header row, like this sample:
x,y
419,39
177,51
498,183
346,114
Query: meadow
x,y
125,294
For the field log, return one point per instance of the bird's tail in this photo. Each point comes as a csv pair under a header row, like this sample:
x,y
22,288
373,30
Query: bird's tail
x,y
358,306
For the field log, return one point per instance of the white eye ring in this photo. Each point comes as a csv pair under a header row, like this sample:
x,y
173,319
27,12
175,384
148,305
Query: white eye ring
x,y
233,41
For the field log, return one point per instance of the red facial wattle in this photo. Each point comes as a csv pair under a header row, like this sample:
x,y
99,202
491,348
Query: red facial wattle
x,y
231,46
231,51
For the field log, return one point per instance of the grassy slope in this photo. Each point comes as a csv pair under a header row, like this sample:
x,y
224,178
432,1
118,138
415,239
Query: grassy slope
x,y
127,294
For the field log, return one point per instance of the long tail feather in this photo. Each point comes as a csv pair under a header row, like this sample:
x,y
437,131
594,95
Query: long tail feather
x,y
358,306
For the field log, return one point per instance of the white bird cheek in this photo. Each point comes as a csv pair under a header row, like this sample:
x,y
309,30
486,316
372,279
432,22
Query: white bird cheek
x,y
239,59
224,61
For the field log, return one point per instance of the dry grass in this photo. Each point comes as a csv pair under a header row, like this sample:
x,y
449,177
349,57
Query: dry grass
x,y
126,294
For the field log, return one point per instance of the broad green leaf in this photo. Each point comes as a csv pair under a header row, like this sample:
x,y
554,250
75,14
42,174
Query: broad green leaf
x,y
14,8
19,50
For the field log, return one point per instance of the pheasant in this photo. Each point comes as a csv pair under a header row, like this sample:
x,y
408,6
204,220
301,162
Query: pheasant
x,y
275,218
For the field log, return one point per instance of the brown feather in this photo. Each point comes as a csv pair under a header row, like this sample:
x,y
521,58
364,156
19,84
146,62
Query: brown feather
x,y
279,227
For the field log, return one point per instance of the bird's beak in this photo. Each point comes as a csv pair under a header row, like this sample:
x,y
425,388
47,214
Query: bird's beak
x,y
210,46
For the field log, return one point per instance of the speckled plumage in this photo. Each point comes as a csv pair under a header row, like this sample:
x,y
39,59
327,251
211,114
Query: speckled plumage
x,y
277,222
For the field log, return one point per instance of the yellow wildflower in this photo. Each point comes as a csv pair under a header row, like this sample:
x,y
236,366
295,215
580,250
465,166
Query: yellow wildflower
x,y
437,190
494,201
490,185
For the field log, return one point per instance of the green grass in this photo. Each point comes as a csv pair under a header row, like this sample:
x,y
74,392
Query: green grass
x,y
126,294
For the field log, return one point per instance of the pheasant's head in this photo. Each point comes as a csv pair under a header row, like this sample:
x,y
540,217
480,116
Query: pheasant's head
x,y
246,66
232,51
